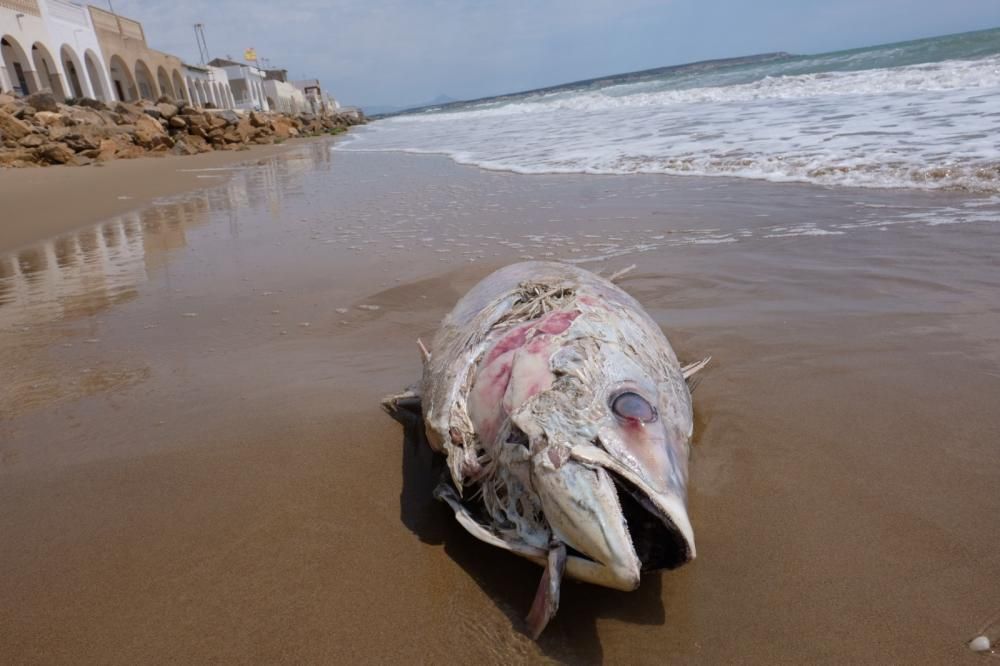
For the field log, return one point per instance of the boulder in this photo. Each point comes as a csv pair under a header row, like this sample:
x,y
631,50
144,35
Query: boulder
x,y
197,122
231,117
80,142
153,113
177,122
257,119
107,150
42,101
198,143
167,111
59,132
245,130
130,152
11,127
150,134
86,116
89,103
182,147
128,110
54,153
32,141
6,99
50,119
112,118
18,158
284,128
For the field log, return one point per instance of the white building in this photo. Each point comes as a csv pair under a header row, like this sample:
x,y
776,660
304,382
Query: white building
x,y
318,101
281,95
50,45
135,71
246,83
209,85
284,97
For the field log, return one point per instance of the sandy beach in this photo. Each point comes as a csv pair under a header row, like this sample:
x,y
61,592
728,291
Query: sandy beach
x,y
194,466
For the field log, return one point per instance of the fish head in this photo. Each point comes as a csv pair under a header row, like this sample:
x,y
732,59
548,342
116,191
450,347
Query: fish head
x,y
608,448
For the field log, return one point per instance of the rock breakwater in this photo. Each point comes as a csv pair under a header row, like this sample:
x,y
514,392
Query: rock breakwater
x,y
37,131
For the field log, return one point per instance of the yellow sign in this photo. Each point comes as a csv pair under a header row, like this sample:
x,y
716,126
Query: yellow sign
x,y
250,54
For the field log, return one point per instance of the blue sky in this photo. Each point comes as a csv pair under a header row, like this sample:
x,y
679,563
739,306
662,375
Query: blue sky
x,y
397,52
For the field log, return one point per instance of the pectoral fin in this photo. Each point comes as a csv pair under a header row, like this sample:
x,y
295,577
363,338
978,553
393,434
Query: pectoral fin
x,y
546,601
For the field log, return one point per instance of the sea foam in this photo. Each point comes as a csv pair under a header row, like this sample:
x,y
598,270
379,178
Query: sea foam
x,y
929,126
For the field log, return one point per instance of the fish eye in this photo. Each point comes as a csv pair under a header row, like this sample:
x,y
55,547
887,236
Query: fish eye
x,y
631,405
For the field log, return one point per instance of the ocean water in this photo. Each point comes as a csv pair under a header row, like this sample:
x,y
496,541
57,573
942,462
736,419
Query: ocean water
x,y
922,114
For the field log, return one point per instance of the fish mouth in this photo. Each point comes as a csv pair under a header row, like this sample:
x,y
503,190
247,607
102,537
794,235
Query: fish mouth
x,y
658,542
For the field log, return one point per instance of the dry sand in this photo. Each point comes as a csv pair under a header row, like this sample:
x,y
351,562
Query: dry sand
x,y
194,467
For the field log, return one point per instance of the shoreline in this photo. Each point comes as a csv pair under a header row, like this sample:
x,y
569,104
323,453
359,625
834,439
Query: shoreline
x,y
93,194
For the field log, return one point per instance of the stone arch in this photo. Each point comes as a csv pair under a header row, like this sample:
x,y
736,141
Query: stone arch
x,y
76,79
121,80
95,73
48,71
20,68
179,88
163,81
144,81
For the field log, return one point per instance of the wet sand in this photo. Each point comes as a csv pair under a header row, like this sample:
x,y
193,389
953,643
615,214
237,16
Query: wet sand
x,y
194,466
43,202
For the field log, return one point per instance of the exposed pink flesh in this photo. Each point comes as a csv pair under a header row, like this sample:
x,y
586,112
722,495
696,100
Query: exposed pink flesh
x,y
514,370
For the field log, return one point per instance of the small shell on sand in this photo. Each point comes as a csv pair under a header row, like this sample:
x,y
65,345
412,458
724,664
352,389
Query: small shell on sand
x,y
371,308
980,644
341,310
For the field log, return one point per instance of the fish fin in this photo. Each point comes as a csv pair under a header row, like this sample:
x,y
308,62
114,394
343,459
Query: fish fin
x,y
546,602
403,407
614,277
446,492
690,370
425,354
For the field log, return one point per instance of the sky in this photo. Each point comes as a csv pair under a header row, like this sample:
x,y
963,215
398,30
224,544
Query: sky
x,y
402,53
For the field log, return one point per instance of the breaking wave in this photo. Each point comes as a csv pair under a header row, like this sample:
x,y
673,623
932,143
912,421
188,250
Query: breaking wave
x,y
926,125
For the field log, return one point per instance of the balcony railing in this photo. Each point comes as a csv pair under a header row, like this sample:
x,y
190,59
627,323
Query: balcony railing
x,y
22,6
108,22
71,12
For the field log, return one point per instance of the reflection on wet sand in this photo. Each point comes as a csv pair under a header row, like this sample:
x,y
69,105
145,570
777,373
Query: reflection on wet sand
x,y
75,277
78,274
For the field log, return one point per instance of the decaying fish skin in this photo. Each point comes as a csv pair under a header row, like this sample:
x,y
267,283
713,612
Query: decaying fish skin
x,y
565,419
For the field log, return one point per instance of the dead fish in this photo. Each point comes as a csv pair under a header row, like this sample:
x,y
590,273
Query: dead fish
x,y
565,419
